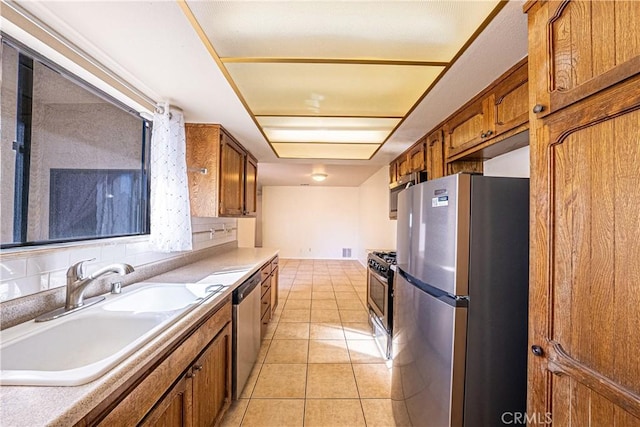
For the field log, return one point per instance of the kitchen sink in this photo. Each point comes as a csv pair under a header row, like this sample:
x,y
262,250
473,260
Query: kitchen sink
x,y
83,346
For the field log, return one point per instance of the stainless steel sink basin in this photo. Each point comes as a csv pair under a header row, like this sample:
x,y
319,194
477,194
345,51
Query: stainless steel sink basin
x,y
83,346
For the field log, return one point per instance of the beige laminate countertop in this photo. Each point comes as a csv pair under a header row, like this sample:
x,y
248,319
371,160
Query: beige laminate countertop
x,y
64,406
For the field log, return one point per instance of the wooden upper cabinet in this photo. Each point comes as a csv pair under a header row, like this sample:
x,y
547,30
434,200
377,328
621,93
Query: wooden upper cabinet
x,y
416,157
471,126
584,46
231,177
511,100
222,174
393,172
251,185
435,154
404,166
203,158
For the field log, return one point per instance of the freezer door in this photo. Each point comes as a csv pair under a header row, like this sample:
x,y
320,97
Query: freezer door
x,y
429,357
405,199
439,240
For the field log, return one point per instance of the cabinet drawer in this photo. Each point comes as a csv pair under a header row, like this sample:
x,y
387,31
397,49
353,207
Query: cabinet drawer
x,y
265,271
266,284
264,323
274,263
265,305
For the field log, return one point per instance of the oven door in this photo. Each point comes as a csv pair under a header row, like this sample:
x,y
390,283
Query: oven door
x,y
378,297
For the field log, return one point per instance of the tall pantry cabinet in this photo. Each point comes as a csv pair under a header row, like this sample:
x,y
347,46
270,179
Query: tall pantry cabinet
x,y
584,79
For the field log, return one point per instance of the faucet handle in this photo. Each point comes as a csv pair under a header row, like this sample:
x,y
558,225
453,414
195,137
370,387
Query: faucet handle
x,y
76,271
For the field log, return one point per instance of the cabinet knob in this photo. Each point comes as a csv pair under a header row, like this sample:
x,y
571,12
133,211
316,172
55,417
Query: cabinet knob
x,y
197,367
483,135
537,350
489,133
538,108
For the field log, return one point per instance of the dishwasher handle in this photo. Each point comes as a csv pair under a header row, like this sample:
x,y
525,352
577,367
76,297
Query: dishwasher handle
x,y
242,291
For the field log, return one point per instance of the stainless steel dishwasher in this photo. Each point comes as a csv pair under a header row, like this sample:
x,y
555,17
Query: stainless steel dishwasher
x,y
246,331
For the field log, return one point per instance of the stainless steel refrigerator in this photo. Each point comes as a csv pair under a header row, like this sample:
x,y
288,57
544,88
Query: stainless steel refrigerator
x,y
461,296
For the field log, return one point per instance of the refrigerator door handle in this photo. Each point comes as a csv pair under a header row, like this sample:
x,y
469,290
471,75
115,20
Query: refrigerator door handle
x,y
452,300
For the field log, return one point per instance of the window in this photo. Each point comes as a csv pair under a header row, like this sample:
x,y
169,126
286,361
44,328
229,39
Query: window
x,y
74,161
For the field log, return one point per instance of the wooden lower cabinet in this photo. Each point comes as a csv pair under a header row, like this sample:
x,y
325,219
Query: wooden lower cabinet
x,y
269,289
201,395
211,379
274,289
174,409
190,386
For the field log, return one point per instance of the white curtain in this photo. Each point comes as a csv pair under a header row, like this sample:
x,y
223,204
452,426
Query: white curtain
x,y
170,212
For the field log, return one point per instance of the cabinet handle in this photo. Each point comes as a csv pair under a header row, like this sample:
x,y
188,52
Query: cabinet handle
x,y
190,374
537,350
265,303
538,108
483,135
489,133
197,367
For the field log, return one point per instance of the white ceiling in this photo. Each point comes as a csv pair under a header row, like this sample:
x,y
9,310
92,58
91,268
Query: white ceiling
x,y
152,45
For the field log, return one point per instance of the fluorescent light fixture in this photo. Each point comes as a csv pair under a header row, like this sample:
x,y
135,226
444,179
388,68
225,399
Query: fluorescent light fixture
x,y
319,176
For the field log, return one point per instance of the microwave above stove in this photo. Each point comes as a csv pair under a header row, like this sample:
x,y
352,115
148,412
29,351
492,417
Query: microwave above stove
x,y
395,188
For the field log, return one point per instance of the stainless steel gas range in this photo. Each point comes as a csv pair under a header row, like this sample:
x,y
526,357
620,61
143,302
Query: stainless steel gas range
x,y
380,297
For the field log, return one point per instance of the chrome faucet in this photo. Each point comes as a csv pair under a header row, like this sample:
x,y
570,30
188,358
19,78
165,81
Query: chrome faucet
x,y
77,283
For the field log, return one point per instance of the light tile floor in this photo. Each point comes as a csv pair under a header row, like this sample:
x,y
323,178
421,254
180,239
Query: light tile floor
x,y
318,364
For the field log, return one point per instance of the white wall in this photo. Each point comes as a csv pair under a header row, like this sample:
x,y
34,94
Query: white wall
x,y
246,232
513,164
376,230
310,222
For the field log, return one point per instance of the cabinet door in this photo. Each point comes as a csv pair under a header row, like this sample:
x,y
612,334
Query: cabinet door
x,y
578,48
175,408
416,157
584,299
250,186
511,101
404,167
470,127
231,177
212,380
435,155
393,172
202,156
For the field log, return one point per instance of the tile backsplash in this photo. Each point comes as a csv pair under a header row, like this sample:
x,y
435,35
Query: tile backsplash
x,y
27,271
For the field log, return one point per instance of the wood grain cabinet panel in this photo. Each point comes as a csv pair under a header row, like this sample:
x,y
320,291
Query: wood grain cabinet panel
x,y
250,185
470,127
274,289
585,198
222,174
435,154
211,379
416,157
587,46
404,167
174,410
203,158
393,172
231,177
511,101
